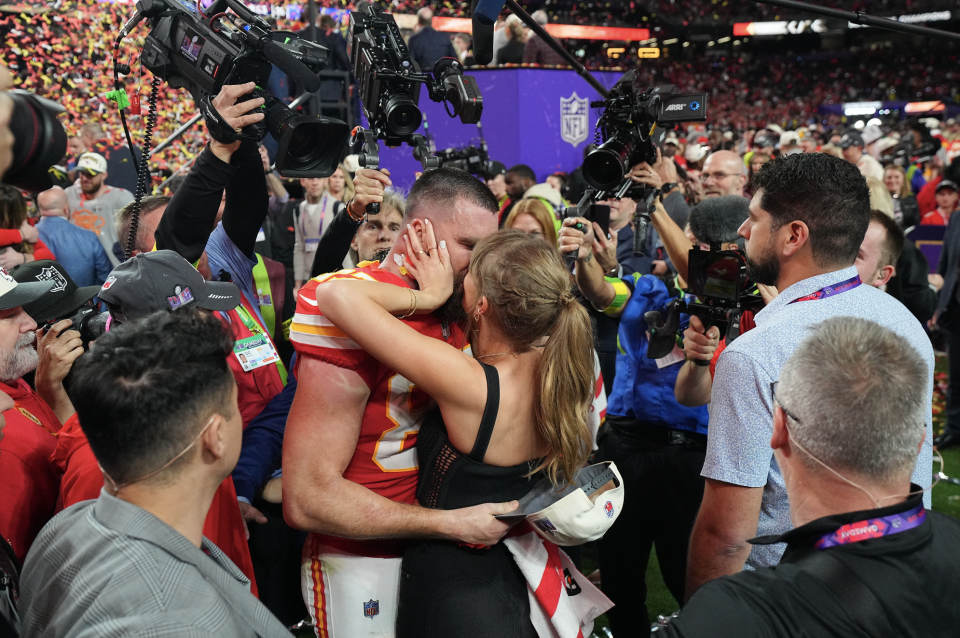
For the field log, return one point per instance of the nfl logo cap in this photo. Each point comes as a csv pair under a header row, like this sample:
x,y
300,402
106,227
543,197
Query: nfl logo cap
x,y
14,294
92,163
163,280
65,297
578,513
850,138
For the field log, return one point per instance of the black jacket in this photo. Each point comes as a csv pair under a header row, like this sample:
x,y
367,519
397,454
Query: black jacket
x,y
910,286
913,574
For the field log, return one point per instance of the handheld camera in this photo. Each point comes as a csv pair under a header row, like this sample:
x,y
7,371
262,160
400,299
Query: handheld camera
x,y
201,47
718,280
390,81
634,122
473,158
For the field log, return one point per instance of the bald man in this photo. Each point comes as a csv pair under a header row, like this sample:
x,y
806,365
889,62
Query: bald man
x,y
428,45
723,174
78,250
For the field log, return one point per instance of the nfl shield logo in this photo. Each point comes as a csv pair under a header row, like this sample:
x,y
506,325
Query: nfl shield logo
x,y
574,119
52,274
371,608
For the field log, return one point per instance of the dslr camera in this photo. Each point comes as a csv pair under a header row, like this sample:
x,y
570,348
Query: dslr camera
x,y
39,141
390,81
718,281
198,45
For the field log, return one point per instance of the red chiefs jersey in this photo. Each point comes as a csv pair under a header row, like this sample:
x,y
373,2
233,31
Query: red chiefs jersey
x,y
30,480
385,460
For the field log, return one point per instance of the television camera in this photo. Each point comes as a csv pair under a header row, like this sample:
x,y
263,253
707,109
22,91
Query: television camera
x,y
633,124
473,158
718,280
200,46
390,81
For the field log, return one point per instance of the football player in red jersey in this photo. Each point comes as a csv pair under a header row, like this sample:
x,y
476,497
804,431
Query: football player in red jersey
x,y
349,457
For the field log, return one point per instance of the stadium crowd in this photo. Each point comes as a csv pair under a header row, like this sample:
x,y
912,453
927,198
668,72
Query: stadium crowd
x,y
246,405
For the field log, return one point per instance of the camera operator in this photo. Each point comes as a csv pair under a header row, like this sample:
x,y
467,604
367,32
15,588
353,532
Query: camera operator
x,y
804,245
159,406
865,558
30,481
345,242
659,442
235,169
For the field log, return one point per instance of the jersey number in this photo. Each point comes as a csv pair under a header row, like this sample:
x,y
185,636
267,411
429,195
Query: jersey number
x,y
396,450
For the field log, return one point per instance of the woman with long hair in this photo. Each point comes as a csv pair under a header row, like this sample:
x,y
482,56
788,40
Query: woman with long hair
x,y
340,186
509,412
906,211
19,241
533,217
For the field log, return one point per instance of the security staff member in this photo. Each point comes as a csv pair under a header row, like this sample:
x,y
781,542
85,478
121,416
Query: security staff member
x,y
864,558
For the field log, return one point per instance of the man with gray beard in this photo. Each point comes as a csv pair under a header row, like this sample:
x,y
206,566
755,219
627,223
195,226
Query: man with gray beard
x,y
31,484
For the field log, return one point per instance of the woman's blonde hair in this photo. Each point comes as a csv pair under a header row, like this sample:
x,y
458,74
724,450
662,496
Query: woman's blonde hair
x,y
539,211
905,190
832,149
528,288
13,212
880,199
348,190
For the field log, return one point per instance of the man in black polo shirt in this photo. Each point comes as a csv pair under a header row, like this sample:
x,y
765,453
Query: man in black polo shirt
x,y
864,557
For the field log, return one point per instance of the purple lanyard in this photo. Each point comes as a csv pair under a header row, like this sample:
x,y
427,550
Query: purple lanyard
x,y
829,291
303,223
873,528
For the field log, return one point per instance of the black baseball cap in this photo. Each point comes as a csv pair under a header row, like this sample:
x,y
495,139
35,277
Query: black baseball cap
x,y
947,185
850,138
495,168
163,280
14,294
64,298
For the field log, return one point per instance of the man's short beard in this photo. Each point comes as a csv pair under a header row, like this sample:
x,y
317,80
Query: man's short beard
x,y
381,254
452,310
21,360
764,270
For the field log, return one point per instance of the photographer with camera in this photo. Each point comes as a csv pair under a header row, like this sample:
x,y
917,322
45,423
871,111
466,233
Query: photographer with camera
x,y
806,247
159,406
646,432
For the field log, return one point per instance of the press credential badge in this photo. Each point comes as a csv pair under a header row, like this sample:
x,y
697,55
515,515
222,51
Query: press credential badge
x,y
254,352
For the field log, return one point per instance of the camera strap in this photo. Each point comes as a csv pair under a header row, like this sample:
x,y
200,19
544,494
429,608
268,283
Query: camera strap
x,y
218,127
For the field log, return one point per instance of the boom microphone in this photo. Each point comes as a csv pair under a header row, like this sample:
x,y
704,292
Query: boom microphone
x,y
483,28
487,11
291,66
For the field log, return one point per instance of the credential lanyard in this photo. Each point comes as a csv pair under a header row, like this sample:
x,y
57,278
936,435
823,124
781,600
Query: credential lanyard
x,y
255,328
829,291
873,528
261,281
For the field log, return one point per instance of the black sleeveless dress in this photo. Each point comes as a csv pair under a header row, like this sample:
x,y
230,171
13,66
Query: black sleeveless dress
x,y
448,590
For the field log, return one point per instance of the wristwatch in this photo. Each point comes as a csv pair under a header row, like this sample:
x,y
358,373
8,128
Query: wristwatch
x,y
666,188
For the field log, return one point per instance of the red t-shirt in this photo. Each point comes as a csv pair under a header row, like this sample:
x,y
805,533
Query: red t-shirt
x,y
385,460
30,482
746,324
82,481
934,218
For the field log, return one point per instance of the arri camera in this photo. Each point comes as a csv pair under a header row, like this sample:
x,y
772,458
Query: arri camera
x,y
390,80
718,280
634,122
200,46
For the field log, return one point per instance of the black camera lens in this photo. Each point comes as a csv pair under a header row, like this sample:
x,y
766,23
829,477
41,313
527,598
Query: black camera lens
x,y
307,146
605,167
39,141
403,116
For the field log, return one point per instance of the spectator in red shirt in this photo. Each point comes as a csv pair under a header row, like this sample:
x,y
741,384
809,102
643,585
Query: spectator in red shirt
x,y
19,241
947,194
30,483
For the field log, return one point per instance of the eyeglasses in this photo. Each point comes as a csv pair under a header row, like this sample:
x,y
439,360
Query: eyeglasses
x,y
773,395
716,176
